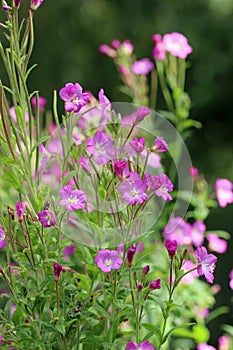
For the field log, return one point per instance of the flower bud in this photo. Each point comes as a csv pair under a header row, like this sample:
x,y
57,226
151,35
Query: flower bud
x,y
145,270
130,254
155,284
17,3
139,286
35,4
171,247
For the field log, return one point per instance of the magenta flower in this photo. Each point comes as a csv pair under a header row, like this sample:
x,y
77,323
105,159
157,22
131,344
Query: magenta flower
x,y
130,254
216,244
72,199
171,247
138,144
73,96
165,187
224,192
160,145
177,45
41,102
57,269
194,172
197,233
68,251
177,229
121,169
101,147
108,260
47,218
85,163
158,52
145,345
2,238
133,190
143,66
223,343
152,182
35,4
115,44
155,284
206,263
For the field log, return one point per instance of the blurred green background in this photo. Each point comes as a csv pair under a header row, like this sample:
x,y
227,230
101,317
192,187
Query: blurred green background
x,y
68,34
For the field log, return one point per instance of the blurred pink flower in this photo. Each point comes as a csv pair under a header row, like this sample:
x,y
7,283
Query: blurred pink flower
x,y
224,192
179,230
197,233
205,346
216,244
143,66
177,45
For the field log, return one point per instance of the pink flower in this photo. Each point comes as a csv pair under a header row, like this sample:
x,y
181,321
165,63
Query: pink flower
x,y
205,346
177,229
216,244
72,199
160,145
152,182
224,192
41,102
127,47
35,4
145,270
85,163
2,238
194,172
121,169
231,279
223,343
206,264
101,147
143,66
133,190
141,113
108,260
68,251
73,96
171,247
155,284
138,144
177,45
107,50
158,52
197,233
189,278
145,345
165,187
47,218
115,44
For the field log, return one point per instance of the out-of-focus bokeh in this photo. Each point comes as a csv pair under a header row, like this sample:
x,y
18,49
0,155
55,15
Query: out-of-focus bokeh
x,y
68,34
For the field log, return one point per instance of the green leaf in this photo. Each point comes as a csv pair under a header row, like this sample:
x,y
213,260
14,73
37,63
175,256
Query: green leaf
x,y
154,332
201,333
217,312
41,140
100,311
68,177
60,327
174,328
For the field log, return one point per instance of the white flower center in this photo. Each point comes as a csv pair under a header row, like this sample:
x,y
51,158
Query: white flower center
x,y
2,237
72,200
108,262
134,193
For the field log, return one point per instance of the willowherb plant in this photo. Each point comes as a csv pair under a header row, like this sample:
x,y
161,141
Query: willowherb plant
x,y
102,238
